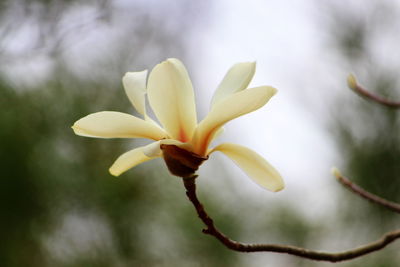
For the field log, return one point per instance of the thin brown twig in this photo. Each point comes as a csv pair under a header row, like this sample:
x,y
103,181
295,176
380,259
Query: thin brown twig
x,y
365,194
211,229
352,82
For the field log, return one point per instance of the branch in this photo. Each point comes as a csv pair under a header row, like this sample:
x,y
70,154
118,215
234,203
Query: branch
x,y
365,194
352,83
190,186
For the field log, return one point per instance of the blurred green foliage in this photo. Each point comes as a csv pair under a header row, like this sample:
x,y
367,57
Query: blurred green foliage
x,y
366,132
60,207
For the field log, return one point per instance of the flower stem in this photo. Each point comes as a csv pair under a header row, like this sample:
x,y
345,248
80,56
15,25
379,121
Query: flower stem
x,y
190,186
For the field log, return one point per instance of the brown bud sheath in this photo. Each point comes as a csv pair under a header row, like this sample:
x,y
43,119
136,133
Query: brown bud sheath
x,y
181,162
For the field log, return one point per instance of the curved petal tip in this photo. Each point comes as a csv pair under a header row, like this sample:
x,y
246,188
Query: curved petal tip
x,y
255,166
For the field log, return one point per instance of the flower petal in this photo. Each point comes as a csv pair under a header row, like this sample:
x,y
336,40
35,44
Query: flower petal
x,y
171,97
154,149
141,154
228,109
135,88
236,79
132,158
256,167
112,124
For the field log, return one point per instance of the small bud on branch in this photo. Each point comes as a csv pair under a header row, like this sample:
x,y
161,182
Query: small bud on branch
x,y
352,83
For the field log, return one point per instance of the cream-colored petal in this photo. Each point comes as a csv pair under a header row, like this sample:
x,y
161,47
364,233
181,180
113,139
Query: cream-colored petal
x,y
256,167
135,88
154,149
130,159
233,106
141,154
218,133
171,97
236,79
112,124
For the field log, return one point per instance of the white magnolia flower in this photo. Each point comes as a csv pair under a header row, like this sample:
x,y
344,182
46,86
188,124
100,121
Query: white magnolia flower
x,y
182,142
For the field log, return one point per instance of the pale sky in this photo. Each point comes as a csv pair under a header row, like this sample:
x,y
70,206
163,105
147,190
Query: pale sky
x,y
287,44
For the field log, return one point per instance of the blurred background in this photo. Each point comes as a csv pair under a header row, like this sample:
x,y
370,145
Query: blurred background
x,y
61,60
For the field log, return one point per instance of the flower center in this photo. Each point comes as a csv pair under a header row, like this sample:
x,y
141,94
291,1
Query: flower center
x,y
181,162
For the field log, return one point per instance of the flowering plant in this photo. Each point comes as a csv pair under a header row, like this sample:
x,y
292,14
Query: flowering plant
x,y
181,141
